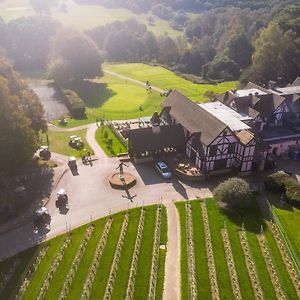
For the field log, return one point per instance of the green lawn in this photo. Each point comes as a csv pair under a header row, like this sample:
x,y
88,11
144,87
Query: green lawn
x,y
289,218
111,98
98,288
117,146
83,17
59,143
252,221
165,79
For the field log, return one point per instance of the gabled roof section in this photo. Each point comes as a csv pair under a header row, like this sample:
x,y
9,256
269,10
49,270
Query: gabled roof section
x,y
296,82
156,138
252,85
245,136
193,117
268,104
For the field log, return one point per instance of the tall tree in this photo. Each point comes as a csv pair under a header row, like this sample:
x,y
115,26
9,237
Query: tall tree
x,y
277,55
21,118
240,50
27,41
74,56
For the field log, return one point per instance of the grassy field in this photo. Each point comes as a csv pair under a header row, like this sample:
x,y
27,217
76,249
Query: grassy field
x,y
252,221
111,98
117,146
98,288
59,143
289,218
166,79
90,16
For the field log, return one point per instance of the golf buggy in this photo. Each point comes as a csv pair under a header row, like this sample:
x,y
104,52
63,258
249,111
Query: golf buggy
x,y
76,142
42,219
62,201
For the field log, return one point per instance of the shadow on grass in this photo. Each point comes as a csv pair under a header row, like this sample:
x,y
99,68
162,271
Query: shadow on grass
x,y
93,94
250,218
22,262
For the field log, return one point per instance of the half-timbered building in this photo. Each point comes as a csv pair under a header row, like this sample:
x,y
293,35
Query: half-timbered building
x,y
236,131
274,113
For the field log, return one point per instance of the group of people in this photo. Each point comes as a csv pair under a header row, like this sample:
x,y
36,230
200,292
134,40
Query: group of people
x,y
148,86
87,159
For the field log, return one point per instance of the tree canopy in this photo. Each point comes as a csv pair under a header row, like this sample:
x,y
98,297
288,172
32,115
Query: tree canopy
x,y
234,193
276,56
74,57
21,118
26,41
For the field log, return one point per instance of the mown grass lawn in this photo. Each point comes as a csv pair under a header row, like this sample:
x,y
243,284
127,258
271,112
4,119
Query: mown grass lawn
x,y
233,221
289,218
165,79
59,143
98,288
117,146
111,98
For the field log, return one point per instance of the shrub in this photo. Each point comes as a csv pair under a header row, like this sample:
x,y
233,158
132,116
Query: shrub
x,y
292,192
276,182
74,103
234,192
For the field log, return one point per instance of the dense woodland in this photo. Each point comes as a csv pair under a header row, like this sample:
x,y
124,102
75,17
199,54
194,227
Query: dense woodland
x,y
247,41
189,5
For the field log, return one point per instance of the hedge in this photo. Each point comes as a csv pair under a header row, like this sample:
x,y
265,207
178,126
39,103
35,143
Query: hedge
x,y
276,182
74,103
292,192
281,182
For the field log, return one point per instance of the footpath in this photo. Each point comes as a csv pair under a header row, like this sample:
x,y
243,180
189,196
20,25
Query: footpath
x,y
155,88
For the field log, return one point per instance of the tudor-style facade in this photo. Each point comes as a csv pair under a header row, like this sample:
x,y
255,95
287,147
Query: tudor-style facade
x,y
212,134
238,130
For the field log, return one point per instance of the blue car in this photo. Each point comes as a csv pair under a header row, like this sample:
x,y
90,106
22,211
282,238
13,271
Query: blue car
x,y
163,170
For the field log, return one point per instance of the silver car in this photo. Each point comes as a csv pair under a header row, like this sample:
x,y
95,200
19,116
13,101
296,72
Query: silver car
x,y
163,170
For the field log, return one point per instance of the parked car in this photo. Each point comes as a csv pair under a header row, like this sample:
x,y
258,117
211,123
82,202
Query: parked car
x,y
163,170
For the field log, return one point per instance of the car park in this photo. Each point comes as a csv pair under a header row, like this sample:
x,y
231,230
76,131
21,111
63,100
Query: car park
x,y
163,170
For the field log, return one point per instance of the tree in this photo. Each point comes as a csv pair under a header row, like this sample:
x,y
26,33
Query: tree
x,y
21,118
27,41
234,193
240,50
277,54
74,57
168,51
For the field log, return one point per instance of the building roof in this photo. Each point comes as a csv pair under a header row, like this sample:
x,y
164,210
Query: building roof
x,y
249,92
287,90
193,117
268,104
155,138
228,116
245,136
296,82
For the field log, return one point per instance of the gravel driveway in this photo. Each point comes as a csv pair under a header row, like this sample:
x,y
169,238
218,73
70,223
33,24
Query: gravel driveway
x,y
54,106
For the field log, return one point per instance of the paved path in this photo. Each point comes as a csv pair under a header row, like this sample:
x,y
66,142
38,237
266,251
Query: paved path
x,y
155,88
52,127
172,266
